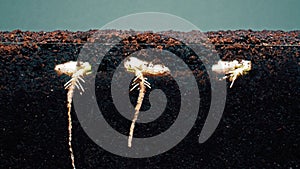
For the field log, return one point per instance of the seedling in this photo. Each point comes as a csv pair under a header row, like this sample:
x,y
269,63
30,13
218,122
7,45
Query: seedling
x,y
76,70
232,69
141,69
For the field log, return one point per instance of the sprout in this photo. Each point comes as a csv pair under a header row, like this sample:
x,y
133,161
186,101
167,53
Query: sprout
x,y
77,70
232,69
140,69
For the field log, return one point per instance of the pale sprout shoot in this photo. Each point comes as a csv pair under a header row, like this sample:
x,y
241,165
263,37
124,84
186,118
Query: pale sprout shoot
x,y
140,69
77,70
232,69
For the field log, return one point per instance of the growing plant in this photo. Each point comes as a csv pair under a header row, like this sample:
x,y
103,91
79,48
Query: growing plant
x,y
141,69
232,69
76,70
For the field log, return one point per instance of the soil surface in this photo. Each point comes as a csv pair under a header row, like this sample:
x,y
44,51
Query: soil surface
x,y
259,127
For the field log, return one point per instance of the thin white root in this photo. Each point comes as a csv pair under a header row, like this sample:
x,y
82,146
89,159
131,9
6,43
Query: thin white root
x,y
136,114
77,86
134,87
225,77
135,84
80,78
232,83
70,95
147,84
68,83
137,109
66,87
80,86
135,79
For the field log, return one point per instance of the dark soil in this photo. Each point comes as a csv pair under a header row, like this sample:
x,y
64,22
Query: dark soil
x,y
259,127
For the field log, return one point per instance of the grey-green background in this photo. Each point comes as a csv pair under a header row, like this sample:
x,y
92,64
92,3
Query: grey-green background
x,y
208,15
